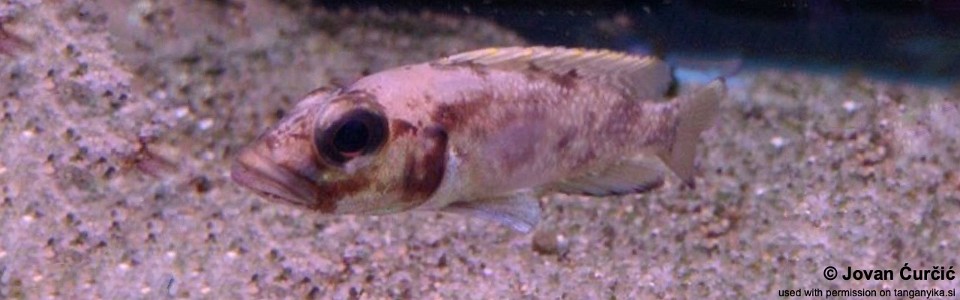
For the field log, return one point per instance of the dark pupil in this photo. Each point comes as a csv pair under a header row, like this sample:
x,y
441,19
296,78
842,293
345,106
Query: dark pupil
x,y
351,137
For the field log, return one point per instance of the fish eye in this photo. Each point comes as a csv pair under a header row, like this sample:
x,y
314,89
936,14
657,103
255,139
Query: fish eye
x,y
358,132
351,137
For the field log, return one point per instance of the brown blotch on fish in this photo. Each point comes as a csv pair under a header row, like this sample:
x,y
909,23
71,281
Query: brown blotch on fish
x,y
328,195
422,177
566,137
616,125
400,128
452,115
477,69
534,68
567,80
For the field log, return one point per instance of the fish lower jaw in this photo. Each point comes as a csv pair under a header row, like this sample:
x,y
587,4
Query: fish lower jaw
x,y
271,181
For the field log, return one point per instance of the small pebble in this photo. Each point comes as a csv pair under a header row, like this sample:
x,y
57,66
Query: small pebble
x,y
778,142
549,242
850,106
205,124
181,112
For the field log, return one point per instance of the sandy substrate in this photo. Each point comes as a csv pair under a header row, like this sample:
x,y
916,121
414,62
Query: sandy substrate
x,y
120,118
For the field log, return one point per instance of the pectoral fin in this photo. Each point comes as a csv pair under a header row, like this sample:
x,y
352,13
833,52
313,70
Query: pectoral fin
x,y
520,211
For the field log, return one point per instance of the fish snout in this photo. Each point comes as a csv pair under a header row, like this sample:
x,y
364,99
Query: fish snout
x,y
255,169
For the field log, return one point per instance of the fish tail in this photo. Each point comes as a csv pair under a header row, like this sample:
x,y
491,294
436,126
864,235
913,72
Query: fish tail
x,y
696,114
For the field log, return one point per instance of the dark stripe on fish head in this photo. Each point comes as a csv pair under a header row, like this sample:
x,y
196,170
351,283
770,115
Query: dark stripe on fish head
x,y
423,174
400,128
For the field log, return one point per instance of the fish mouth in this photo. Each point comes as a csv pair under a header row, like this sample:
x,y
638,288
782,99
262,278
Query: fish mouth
x,y
255,170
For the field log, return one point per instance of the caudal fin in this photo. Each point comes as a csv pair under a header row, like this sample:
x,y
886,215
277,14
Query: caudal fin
x,y
696,114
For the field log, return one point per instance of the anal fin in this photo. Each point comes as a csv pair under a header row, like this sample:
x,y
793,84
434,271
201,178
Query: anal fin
x,y
635,175
520,211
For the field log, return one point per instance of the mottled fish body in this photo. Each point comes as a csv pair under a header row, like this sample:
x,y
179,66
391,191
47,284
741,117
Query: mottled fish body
x,y
483,133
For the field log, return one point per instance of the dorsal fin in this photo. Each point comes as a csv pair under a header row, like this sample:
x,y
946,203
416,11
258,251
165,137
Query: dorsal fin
x,y
638,77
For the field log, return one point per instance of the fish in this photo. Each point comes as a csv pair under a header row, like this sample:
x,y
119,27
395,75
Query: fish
x,y
485,134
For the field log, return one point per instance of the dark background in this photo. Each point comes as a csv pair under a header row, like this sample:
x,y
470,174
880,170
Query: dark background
x,y
915,40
